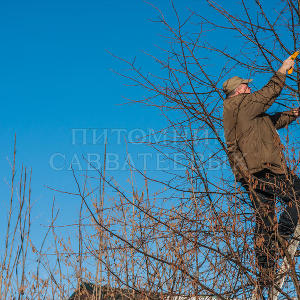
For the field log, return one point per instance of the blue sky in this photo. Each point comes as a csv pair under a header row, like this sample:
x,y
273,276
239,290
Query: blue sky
x,y
56,76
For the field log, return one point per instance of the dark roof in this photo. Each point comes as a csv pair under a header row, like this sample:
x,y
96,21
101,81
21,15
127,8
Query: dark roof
x,y
87,289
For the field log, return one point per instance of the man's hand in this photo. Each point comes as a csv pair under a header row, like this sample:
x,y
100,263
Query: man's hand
x,y
286,65
296,112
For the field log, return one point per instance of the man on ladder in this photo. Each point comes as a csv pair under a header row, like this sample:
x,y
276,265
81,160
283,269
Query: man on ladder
x,y
256,158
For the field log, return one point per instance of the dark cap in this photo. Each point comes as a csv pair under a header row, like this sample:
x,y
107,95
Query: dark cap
x,y
232,83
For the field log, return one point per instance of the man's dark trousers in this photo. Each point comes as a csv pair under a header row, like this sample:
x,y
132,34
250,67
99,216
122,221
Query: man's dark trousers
x,y
268,186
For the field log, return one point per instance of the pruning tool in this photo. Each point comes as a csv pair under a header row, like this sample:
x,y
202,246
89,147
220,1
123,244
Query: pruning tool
x,y
293,57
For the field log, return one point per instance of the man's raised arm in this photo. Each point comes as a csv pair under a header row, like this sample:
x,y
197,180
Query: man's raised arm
x,y
259,101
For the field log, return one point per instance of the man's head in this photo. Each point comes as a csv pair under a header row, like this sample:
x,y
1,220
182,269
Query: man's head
x,y
235,86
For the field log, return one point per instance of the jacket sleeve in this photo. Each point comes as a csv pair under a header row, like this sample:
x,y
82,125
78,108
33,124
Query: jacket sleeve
x,y
259,101
281,119
237,161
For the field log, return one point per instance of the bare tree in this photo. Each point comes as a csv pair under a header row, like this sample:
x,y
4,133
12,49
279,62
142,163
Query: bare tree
x,y
212,209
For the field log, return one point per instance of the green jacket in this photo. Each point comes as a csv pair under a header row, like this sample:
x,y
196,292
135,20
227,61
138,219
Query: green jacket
x,y
252,140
